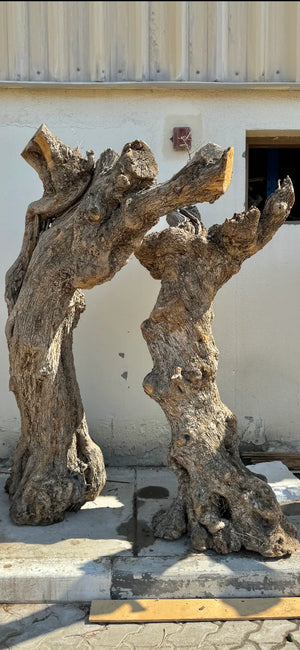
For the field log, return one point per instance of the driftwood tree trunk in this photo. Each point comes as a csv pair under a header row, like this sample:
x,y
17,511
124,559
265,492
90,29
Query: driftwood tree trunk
x,y
82,231
220,502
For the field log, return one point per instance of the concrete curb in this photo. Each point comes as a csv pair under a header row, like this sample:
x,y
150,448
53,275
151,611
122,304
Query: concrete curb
x,y
148,577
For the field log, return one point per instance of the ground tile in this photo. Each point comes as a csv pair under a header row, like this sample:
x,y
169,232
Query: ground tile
x,y
191,634
155,490
29,626
232,632
165,645
105,636
244,646
81,636
29,630
147,544
149,636
296,632
272,631
276,646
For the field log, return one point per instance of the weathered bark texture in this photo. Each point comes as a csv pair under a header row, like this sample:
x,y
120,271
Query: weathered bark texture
x,y
79,234
220,502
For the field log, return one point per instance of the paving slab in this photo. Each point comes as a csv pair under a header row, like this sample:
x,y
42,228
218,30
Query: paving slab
x,y
107,550
273,633
229,632
155,490
90,533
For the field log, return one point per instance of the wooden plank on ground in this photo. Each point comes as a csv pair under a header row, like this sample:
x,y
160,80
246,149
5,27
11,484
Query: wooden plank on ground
x,y
193,609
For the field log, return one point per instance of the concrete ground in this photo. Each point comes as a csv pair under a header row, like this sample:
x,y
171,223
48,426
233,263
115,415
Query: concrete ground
x,y
107,550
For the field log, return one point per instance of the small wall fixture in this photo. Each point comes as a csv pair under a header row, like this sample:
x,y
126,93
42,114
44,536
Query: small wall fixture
x,y
182,138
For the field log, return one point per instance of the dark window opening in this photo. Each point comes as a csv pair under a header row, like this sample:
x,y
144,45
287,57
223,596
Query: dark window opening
x,y
267,165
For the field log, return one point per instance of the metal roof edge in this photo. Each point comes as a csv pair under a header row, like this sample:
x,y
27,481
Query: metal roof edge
x,y
151,85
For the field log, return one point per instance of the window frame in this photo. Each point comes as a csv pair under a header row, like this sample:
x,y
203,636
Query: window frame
x,y
267,139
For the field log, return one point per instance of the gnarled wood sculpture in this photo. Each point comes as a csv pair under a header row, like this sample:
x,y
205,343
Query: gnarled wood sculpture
x,y
221,504
79,234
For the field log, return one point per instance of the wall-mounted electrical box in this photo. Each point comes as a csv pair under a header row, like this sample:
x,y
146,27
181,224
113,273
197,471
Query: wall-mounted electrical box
x,y
182,138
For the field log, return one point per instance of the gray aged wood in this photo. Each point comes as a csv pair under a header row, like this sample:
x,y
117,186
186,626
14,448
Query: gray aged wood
x,y
221,504
79,234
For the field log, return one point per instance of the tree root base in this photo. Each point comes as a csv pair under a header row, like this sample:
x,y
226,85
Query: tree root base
x,y
41,495
170,524
271,535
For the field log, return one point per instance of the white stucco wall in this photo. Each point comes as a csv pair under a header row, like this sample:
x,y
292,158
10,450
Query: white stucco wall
x,y
257,313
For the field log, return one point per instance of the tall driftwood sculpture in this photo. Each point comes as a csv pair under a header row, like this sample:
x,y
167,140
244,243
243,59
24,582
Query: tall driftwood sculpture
x,y
79,234
220,502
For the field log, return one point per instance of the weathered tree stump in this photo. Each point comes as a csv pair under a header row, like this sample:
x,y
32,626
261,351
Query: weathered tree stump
x,y
221,504
79,234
